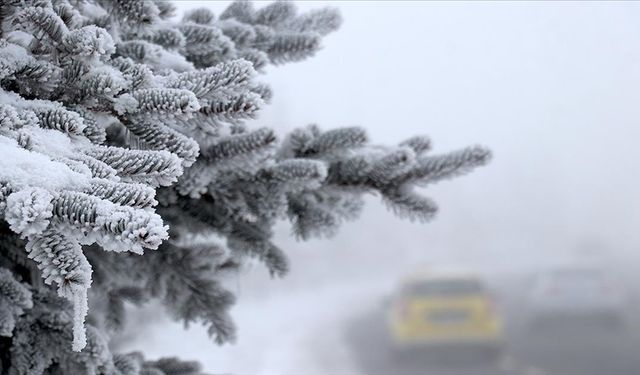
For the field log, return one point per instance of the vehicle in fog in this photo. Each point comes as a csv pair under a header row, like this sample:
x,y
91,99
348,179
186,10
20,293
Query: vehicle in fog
x,y
571,297
444,312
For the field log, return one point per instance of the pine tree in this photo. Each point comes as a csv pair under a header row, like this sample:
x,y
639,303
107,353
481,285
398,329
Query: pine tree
x,y
128,172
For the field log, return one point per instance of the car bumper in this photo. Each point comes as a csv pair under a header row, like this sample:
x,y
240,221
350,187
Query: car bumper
x,y
456,351
450,343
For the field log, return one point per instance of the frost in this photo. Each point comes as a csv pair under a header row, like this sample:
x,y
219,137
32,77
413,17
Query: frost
x,y
28,211
89,41
125,103
12,58
141,228
15,298
80,310
63,262
9,117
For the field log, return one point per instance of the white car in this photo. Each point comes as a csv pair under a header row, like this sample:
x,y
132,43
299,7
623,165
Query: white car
x,y
584,297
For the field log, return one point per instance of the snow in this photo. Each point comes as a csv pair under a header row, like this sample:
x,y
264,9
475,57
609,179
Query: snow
x,y
19,38
26,168
92,10
173,61
48,141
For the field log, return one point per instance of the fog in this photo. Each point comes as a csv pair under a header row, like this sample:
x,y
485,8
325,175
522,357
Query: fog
x,y
551,87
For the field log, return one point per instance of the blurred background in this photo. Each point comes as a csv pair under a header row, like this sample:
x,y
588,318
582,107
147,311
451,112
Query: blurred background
x,y
530,265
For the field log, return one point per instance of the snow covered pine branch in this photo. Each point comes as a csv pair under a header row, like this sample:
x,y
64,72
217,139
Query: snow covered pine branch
x,y
122,130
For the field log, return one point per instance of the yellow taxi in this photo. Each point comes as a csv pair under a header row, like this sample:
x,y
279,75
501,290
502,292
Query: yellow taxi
x,y
451,310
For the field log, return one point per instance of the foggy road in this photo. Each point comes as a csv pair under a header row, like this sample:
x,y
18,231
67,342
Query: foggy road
x,y
528,353
581,350
367,339
580,353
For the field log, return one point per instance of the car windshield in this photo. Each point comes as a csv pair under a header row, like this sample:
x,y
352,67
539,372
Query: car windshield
x,y
450,287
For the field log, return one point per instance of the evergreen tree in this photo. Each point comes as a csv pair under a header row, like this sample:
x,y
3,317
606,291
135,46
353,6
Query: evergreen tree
x,y
128,174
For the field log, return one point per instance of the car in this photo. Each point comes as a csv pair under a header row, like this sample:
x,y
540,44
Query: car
x,y
445,313
571,297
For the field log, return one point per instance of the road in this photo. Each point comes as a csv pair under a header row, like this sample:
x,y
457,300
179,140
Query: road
x,y
339,329
366,337
528,353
